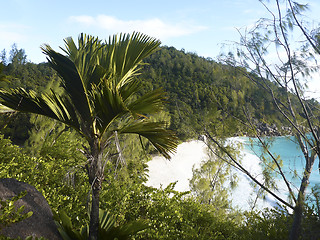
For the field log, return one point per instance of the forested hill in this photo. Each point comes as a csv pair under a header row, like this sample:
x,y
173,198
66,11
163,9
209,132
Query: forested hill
x,y
201,92
207,94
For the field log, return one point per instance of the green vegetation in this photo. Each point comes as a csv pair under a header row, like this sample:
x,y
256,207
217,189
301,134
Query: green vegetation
x,y
169,214
50,158
213,181
99,101
97,110
107,228
207,94
10,214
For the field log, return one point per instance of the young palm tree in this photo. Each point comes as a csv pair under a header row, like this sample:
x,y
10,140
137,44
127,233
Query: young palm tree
x,y
99,99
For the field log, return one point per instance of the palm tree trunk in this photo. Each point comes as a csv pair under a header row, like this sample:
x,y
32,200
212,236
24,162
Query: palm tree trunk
x,y
95,179
94,215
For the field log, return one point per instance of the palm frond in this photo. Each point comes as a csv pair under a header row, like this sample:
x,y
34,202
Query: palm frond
x,y
86,58
150,103
123,54
52,106
108,106
71,82
4,109
70,47
129,89
164,140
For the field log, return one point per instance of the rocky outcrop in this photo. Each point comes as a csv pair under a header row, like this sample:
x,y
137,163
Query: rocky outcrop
x,y
272,130
267,130
41,223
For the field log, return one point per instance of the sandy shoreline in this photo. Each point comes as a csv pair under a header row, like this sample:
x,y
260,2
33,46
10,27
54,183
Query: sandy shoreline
x,y
163,172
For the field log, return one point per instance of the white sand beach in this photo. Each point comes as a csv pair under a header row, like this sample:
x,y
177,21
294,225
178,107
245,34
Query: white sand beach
x,y
163,172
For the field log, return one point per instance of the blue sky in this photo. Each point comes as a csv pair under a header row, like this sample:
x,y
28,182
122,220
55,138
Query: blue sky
x,y
199,26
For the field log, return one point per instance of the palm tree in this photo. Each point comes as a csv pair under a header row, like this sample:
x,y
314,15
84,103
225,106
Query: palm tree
x,y
100,100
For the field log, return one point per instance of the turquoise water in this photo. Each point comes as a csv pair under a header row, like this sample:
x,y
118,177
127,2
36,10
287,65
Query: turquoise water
x,y
289,153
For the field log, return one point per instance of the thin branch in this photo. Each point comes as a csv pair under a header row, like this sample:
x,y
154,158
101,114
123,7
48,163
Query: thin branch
x,y
242,169
274,160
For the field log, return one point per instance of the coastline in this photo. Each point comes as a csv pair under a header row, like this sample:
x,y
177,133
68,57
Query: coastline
x,y
190,154
163,172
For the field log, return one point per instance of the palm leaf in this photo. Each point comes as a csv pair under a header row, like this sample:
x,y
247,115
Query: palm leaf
x,y
86,58
4,109
70,47
123,54
164,140
52,106
106,220
150,103
72,83
108,106
129,89
66,228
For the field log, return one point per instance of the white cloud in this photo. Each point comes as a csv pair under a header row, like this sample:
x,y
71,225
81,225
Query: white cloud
x,y
154,27
86,20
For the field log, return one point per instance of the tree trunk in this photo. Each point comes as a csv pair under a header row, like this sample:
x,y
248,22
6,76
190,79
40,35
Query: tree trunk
x,y
94,215
295,232
95,179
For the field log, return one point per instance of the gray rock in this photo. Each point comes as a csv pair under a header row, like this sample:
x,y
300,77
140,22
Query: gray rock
x,y
267,130
41,223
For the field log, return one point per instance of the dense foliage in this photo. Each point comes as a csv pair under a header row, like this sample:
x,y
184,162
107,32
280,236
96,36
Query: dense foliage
x,y
201,94
204,93
169,214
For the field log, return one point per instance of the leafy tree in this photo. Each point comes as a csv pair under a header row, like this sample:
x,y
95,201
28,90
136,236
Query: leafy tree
x,y
2,76
17,56
99,100
3,56
289,72
49,173
270,224
210,181
204,92
171,214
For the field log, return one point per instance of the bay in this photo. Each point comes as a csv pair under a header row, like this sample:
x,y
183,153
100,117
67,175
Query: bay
x,y
289,152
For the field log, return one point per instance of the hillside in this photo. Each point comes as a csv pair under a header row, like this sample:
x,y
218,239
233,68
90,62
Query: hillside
x,y
206,94
201,94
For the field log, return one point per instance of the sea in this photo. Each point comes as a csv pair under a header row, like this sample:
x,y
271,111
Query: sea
x,y
190,154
